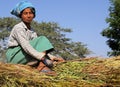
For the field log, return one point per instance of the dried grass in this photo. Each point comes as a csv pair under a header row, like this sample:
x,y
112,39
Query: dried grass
x,y
88,72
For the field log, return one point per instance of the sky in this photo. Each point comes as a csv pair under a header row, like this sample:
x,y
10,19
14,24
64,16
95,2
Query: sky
x,y
86,19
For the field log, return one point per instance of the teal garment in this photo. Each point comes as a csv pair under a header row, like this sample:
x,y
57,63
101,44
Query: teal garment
x,y
17,55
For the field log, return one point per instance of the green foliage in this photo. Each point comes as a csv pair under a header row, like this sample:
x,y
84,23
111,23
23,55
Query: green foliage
x,y
6,25
64,47
113,31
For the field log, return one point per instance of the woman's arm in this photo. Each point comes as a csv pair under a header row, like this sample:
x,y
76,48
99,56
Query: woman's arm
x,y
22,39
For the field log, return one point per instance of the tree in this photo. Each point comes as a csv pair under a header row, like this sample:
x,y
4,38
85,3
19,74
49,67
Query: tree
x,y
64,46
112,32
6,25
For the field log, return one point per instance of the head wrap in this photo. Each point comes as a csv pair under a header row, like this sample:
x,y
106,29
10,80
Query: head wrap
x,y
20,7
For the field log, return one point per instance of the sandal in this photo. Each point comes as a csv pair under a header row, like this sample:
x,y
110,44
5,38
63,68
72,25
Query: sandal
x,y
44,69
48,72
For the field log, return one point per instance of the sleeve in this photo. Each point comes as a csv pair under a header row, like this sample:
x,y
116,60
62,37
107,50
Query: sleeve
x,y
21,38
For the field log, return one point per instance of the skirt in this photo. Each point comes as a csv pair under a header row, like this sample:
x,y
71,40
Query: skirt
x,y
17,55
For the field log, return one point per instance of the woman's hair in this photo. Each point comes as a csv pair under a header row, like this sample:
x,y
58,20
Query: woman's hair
x,y
32,9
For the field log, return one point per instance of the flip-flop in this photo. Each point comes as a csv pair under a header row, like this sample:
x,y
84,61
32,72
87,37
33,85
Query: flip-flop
x,y
49,72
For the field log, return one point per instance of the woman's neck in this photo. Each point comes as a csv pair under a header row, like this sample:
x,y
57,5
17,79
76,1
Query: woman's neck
x,y
28,25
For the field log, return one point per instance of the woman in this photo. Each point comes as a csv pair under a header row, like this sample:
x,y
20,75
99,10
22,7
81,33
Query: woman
x,y
24,47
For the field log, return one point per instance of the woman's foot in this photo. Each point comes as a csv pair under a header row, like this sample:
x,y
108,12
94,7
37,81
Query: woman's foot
x,y
46,70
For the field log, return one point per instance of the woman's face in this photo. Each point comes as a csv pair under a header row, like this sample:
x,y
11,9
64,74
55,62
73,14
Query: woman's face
x,y
27,15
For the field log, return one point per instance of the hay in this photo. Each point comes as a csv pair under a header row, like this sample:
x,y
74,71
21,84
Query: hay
x,y
88,72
